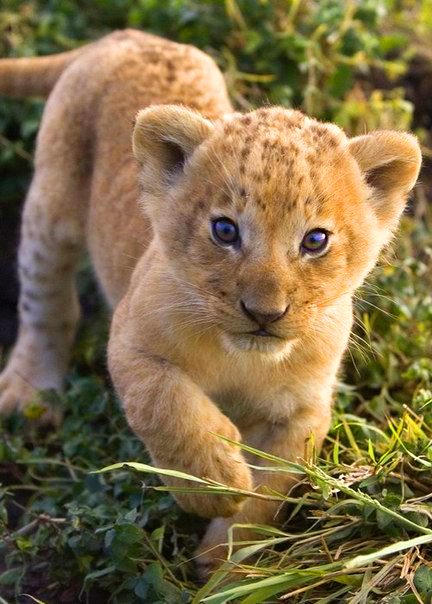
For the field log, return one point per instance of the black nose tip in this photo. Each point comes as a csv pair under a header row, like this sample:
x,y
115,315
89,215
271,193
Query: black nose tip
x,y
260,317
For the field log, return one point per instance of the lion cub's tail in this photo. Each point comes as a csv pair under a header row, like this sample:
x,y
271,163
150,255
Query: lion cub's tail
x,y
34,76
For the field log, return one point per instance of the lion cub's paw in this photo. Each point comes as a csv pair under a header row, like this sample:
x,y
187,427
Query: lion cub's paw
x,y
213,549
229,471
207,562
212,552
223,463
17,394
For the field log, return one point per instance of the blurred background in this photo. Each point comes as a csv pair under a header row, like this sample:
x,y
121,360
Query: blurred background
x,y
71,536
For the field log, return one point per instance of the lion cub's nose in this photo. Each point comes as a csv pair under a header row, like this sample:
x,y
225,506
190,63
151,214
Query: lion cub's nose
x,y
260,317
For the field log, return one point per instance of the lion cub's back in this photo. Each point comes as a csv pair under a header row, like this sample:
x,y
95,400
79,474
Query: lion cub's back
x,y
132,70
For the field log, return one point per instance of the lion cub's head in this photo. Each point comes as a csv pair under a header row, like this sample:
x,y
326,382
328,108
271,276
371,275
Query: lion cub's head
x,y
267,219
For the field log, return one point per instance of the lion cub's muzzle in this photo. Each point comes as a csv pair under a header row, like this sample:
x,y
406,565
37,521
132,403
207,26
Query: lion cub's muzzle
x,y
263,316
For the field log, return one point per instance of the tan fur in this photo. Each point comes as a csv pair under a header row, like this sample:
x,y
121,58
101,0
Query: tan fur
x,y
181,355
34,76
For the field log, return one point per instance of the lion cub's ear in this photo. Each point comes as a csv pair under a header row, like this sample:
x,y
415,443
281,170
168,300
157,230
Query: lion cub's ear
x,y
390,162
164,137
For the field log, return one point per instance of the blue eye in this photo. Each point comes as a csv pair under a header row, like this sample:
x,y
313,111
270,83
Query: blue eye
x,y
225,231
315,241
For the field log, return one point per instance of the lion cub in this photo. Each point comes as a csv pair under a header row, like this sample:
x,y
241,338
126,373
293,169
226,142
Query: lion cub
x,y
249,235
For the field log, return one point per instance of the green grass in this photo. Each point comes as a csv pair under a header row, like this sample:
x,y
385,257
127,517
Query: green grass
x,y
360,523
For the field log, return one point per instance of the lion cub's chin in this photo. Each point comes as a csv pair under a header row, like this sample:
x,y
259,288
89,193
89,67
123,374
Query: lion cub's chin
x,y
270,347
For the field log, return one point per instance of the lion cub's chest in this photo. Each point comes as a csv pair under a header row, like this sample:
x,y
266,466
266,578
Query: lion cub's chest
x,y
248,392
250,398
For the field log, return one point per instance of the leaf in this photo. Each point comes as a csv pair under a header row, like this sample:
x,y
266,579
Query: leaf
x,y
165,590
33,598
99,573
142,467
141,588
11,576
128,533
131,516
386,551
423,579
383,520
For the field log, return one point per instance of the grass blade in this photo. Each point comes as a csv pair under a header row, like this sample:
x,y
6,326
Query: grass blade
x,y
386,551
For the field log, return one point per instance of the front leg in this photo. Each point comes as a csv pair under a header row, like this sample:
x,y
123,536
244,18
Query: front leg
x,y
288,441
175,419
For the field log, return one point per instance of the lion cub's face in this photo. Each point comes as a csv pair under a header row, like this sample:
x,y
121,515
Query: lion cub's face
x,y
268,219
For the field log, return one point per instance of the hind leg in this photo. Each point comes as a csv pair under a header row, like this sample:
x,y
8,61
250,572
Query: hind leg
x,y
51,239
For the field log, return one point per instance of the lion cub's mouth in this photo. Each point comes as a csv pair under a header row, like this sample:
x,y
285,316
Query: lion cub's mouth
x,y
259,340
261,333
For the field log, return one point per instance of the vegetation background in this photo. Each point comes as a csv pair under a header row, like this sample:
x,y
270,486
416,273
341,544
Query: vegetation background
x,y
68,535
